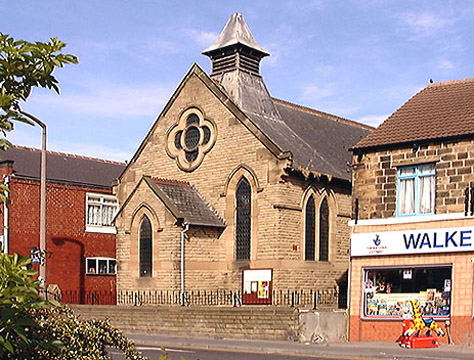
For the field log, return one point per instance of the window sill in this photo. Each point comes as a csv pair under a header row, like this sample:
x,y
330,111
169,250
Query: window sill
x,y
101,229
411,219
91,274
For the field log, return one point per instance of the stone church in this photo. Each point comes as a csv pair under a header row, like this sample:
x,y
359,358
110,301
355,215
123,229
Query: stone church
x,y
230,180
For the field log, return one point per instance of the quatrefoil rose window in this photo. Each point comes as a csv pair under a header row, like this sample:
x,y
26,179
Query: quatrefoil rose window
x,y
190,140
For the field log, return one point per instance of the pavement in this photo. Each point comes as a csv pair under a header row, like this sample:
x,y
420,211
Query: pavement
x,y
360,350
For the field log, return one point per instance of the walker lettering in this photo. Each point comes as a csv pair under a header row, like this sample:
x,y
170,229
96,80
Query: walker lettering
x,y
413,242
451,239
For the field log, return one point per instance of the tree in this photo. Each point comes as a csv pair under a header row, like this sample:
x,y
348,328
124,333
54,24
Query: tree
x,y
24,66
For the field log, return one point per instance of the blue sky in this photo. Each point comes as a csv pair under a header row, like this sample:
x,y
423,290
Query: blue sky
x,y
360,59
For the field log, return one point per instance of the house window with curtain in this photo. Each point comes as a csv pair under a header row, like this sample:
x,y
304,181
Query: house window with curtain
x,y
145,243
243,219
416,190
100,212
324,231
309,233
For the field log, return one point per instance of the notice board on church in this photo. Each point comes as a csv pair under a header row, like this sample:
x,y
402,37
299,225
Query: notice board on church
x,y
257,285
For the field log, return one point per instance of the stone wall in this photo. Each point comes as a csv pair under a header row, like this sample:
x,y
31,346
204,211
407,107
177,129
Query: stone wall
x,y
277,215
269,323
257,322
375,176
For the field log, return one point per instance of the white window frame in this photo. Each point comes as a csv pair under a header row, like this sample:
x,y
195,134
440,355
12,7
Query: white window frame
x,y
108,229
97,270
416,176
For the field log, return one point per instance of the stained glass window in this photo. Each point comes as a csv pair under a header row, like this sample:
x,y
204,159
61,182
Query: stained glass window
x,y
145,247
243,219
324,231
192,137
310,229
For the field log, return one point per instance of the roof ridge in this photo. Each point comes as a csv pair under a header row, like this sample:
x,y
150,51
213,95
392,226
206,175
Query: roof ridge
x,y
70,155
170,181
451,82
319,112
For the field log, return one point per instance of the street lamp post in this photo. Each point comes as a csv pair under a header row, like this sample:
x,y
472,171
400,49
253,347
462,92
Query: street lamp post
x,y
42,242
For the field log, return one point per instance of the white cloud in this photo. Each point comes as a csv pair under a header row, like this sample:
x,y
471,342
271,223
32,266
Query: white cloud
x,y
91,150
425,23
109,100
314,92
202,37
373,120
445,64
30,136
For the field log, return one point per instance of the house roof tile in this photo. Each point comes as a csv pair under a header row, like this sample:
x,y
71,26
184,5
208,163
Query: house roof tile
x,y
185,202
62,167
441,110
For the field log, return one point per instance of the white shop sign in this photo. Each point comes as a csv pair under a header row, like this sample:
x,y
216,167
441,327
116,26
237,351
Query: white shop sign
x,y
422,241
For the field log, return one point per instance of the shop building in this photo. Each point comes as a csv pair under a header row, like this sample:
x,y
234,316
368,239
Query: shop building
x,y
231,180
413,225
80,206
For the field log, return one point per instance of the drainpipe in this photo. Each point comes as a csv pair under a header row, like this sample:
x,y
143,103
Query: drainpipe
x,y
183,232
6,218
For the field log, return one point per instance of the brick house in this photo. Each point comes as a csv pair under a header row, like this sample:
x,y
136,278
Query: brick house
x,y
413,216
80,208
233,189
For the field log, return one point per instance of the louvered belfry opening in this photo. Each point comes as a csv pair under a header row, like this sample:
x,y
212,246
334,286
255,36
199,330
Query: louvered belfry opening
x,y
243,220
236,58
235,49
145,239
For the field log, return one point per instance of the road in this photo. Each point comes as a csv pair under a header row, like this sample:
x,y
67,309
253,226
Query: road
x,y
175,353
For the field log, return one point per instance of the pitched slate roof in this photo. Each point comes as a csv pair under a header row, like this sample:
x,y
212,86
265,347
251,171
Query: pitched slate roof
x,y
62,167
319,141
441,110
184,202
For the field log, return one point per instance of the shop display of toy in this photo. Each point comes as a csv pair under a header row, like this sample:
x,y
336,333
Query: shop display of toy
x,y
412,336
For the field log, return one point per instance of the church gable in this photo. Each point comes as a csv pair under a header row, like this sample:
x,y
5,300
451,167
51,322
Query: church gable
x,y
201,137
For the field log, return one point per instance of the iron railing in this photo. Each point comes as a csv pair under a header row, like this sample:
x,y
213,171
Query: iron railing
x,y
308,298
102,297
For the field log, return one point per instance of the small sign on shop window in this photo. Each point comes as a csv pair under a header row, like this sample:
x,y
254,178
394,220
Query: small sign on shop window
x,y
407,274
447,285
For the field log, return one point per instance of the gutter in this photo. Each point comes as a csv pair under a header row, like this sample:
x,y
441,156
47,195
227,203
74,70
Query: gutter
x,y
183,232
6,218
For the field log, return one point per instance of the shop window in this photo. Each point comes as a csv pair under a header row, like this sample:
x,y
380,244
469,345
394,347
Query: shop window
x,y
387,292
324,231
145,240
100,212
416,190
243,220
101,266
309,233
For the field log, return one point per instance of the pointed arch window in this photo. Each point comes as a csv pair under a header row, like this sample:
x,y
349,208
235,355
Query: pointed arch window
x,y
145,247
309,234
324,230
243,219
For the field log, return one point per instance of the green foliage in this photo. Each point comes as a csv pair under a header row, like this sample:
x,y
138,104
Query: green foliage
x,y
23,66
34,328
18,297
82,339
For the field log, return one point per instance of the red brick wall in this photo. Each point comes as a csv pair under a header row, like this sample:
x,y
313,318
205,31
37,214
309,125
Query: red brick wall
x,y
66,237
